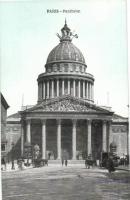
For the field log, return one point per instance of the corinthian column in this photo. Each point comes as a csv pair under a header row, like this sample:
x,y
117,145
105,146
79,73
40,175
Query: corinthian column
x,y
28,135
104,136
89,138
92,92
87,91
57,88
43,90
52,88
110,135
83,89
63,87
48,92
79,88
58,139
22,138
74,140
68,86
89,96
44,139
74,88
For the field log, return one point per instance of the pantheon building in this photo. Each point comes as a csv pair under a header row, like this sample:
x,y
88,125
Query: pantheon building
x,y
65,117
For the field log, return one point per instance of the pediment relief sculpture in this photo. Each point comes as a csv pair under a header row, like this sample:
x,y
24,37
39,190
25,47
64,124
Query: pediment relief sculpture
x,y
66,105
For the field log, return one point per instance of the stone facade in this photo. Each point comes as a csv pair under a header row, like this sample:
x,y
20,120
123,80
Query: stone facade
x,y
13,132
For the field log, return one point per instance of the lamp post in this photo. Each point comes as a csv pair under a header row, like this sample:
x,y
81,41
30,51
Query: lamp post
x,y
12,156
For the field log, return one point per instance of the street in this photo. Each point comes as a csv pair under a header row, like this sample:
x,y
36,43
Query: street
x,y
65,183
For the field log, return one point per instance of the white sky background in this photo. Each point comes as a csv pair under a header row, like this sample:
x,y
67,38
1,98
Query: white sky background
x,y
29,34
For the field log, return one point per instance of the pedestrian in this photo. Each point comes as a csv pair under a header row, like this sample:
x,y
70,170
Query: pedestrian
x,y
3,164
110,165
66,162
13,167
62,161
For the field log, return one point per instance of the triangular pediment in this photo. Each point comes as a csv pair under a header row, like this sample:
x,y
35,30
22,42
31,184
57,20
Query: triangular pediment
x,y
118,118
67,104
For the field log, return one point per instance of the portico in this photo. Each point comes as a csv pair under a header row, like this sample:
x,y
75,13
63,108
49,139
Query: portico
x,y
75,132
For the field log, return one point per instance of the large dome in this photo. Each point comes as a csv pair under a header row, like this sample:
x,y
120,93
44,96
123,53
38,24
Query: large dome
x,y
65,51
65,71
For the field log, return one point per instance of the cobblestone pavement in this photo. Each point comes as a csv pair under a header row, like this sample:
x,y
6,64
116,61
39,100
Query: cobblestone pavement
x,y
65,183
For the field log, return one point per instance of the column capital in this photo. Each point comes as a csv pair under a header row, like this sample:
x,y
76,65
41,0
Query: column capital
x,y
22,121
89,121
28,121
58,121
104,121
74,121
43,121
110,122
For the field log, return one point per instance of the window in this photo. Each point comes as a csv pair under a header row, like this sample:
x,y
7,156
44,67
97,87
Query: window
x,y
55,68
65,67
49,69
74,67
81,69
61,67
77,68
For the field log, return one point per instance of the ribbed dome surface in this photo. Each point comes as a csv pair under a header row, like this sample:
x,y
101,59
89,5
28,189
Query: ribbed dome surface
x,y
65,51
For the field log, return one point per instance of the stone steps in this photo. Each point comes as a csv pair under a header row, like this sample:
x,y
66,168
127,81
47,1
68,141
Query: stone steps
x,y
69,161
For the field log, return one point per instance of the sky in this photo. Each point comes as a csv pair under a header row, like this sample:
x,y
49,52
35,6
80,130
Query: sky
x,y
28,34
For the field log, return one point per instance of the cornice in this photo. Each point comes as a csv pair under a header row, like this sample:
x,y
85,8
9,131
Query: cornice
x,y
75,75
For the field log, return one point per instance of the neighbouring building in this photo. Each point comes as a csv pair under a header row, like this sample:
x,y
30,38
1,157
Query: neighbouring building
x,y
65,118
4,140
13,133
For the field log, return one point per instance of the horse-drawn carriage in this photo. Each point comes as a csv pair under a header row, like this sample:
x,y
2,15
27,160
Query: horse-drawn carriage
x,y
89,162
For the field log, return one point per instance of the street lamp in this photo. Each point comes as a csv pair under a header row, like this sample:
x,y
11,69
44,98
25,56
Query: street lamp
x,y
12,156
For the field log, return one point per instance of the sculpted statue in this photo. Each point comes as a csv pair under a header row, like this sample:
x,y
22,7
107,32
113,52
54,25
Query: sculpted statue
x,y
36,151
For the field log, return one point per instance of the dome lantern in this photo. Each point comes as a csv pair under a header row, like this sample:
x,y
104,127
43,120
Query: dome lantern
x,y
66,33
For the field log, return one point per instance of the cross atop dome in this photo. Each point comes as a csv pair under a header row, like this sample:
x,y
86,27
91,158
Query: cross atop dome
x,y
66,34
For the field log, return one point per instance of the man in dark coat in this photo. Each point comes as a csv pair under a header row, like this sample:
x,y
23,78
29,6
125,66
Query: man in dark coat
x,y
66,162
110,165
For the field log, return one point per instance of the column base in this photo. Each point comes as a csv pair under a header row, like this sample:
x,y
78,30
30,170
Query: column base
x,y
44,158
58,159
